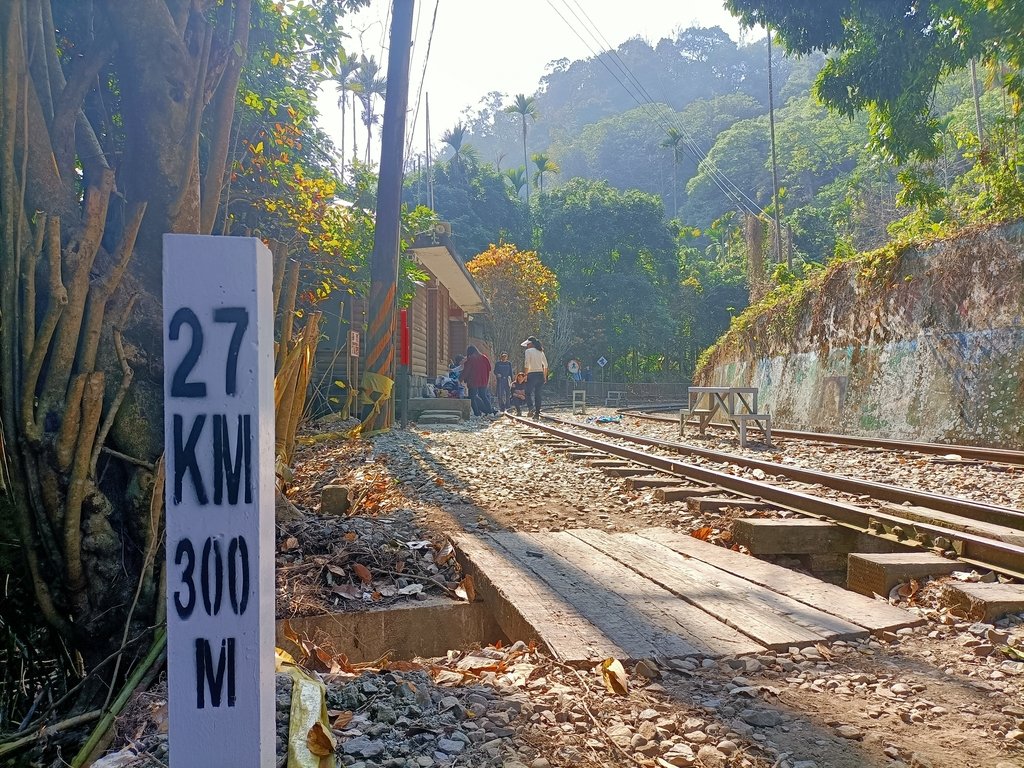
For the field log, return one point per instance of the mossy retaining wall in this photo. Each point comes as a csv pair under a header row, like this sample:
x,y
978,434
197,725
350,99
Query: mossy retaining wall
x,y
922,344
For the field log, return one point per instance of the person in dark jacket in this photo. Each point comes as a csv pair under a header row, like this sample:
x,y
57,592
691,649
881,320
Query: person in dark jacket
x,y
503,380
476,372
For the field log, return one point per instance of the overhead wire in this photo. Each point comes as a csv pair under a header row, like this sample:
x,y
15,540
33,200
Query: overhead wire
x,y
666,114
694,147
659,113
423,78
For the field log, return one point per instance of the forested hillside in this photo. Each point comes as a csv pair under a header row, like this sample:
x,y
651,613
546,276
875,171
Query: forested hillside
x,y
682,126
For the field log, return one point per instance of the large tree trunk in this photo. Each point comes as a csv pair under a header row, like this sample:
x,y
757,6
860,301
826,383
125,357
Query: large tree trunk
x,y
84,202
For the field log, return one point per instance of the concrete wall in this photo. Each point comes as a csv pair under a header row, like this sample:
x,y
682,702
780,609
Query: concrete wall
x,y
926,346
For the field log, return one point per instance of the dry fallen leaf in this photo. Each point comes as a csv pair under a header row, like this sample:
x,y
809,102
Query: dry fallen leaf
x,y
702,533
348,591
337,570
289,544
319,740
826,654
350,536
362,572
445,554
614,675
466,590
343,719
289,633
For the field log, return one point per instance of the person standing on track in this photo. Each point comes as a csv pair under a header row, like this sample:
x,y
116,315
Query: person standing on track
x,y
503,378
536,374
476,372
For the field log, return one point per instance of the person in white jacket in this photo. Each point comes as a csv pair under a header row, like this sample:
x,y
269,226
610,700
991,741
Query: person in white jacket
x,y
536,368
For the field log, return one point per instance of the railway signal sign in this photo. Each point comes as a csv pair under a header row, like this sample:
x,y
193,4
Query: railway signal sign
x,y
219,444
602,361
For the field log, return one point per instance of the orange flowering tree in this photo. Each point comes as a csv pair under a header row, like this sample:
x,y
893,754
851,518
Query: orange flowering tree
x,y
521,293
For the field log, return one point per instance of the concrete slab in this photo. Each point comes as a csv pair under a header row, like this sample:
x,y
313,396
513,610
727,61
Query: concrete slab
x,y
683,492
791,537
438,417
625,471
649,481
876,574
715,503
985,602
418,405
430,627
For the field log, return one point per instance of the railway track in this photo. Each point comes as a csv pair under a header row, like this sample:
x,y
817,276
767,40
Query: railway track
x,y
969,452
981,535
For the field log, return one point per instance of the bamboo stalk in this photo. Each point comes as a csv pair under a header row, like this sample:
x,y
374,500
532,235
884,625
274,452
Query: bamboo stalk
x,y
155,652
72,722
291,289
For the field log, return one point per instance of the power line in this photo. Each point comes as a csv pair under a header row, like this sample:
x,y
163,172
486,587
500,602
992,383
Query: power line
x,y
702,157
423,78
658,112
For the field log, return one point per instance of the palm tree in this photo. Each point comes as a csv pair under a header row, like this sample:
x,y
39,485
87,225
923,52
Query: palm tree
x,y
517,178
544,165
371,83
346,84
524,106
462,153
674,141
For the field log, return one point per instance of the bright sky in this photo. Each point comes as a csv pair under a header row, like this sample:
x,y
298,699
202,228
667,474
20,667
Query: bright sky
x,y
505,45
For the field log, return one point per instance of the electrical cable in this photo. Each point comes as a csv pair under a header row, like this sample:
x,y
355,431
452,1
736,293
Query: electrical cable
x,y
656,112
689,141
423,78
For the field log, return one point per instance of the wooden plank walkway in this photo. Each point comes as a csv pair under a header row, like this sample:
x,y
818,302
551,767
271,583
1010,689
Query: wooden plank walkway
x,y
658,594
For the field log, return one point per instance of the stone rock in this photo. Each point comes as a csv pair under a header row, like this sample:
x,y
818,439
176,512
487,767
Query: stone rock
x,y
711,757
620,735
680,755
727,747
761,718
334,500
849,732
450,746
363,746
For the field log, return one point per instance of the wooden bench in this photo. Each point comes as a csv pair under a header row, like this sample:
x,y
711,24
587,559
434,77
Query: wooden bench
x,y
615,397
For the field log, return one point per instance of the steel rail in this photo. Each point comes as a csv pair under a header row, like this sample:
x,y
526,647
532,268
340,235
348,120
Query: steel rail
x,y
996,455
971,548
955,505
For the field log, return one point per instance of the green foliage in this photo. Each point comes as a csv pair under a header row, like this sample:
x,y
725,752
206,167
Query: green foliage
x,y
888,58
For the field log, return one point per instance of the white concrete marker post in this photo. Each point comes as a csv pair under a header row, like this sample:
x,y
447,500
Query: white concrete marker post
x,y
219,443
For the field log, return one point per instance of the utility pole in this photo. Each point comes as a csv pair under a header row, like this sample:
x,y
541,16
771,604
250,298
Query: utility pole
x,y
775,162
380,348
430,171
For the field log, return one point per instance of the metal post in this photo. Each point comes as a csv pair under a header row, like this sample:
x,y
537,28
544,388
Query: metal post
x,y
380,348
